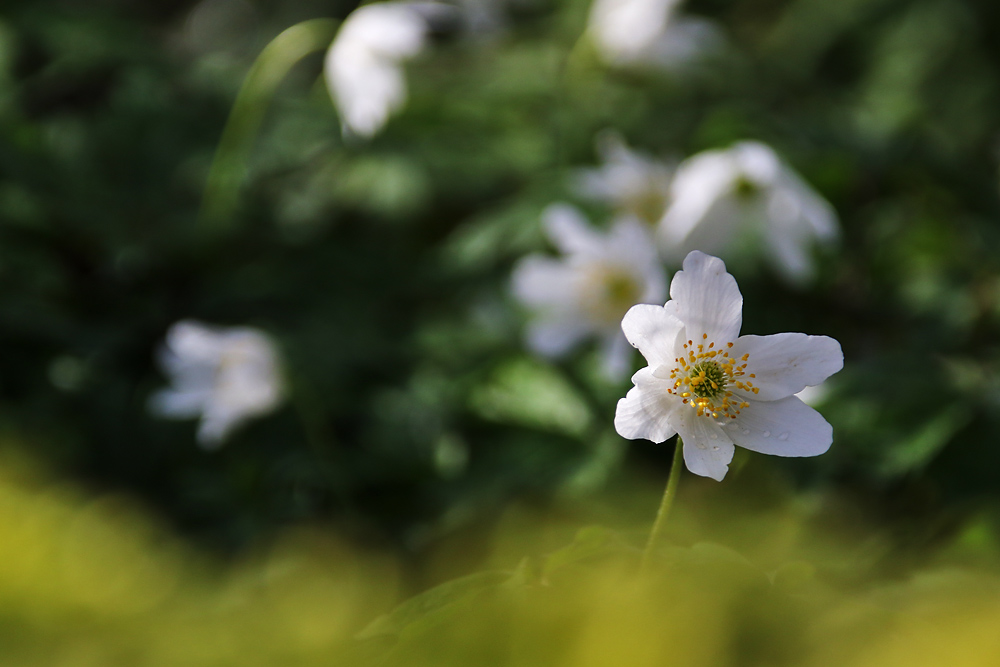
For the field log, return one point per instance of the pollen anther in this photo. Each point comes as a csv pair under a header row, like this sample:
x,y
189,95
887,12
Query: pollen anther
x,y
705,374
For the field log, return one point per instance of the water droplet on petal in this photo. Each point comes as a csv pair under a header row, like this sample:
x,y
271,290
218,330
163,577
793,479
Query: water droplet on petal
x,y
701,446
715,449
783,436
746,431
766,434
713,436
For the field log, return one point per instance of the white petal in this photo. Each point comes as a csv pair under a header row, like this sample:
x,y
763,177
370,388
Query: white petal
x,y
216,426
623,29
188,374
685,39
362,66
249,387
368,93
701,184
627,179
647,411
791,251
570,231
708,450
553,337
393,31
758,162
173,404
656,285
815,212
633,247
708,299
653,330
193,342
798,219
607,182
786,363
631,241
544,282
616,356
787,427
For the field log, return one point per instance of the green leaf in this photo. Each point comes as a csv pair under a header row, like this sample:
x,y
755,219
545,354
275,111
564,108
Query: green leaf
x,y
590,542
532,394
432,607
915,452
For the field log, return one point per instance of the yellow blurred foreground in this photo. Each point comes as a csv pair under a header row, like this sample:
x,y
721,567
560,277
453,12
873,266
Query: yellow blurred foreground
x,y
88,581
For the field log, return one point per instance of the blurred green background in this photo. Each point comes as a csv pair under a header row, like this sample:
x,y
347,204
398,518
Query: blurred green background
x,y
382,267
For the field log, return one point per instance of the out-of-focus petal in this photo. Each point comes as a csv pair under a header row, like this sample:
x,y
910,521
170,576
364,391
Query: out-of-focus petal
x,y
624,30
543,281
570,232
223,375
684,40
700,182
368,92
634,243
216,425
616,356
554,337
362,66
391,30
191,341
816,212
178,404
757,162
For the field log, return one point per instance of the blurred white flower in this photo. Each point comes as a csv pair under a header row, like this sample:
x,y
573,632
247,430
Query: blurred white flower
x,y
628,32
632,182
225,376
718,389
744,195
587,290
364,63
483,18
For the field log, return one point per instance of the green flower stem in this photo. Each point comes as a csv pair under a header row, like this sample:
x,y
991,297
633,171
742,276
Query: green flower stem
x,y
229,164
668,499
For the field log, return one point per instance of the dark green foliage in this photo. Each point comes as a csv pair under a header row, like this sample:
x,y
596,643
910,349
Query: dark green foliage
x,y
382,267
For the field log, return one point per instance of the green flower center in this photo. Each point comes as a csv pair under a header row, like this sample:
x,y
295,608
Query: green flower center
x,y
707,379
745,188
621,290
613,291
649,205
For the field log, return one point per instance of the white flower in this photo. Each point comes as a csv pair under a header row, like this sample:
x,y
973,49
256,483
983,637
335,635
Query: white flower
x,y
726,199
634,183
628,32
223,376
364,63
715,388
587,290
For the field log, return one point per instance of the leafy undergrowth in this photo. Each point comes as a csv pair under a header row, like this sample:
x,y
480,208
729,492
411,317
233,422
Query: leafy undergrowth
x,y
93,581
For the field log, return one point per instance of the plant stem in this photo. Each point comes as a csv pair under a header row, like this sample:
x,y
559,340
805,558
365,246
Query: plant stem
x,y
668,499
229,165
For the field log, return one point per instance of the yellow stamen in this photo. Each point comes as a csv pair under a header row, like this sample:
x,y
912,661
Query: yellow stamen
x,y
704,376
